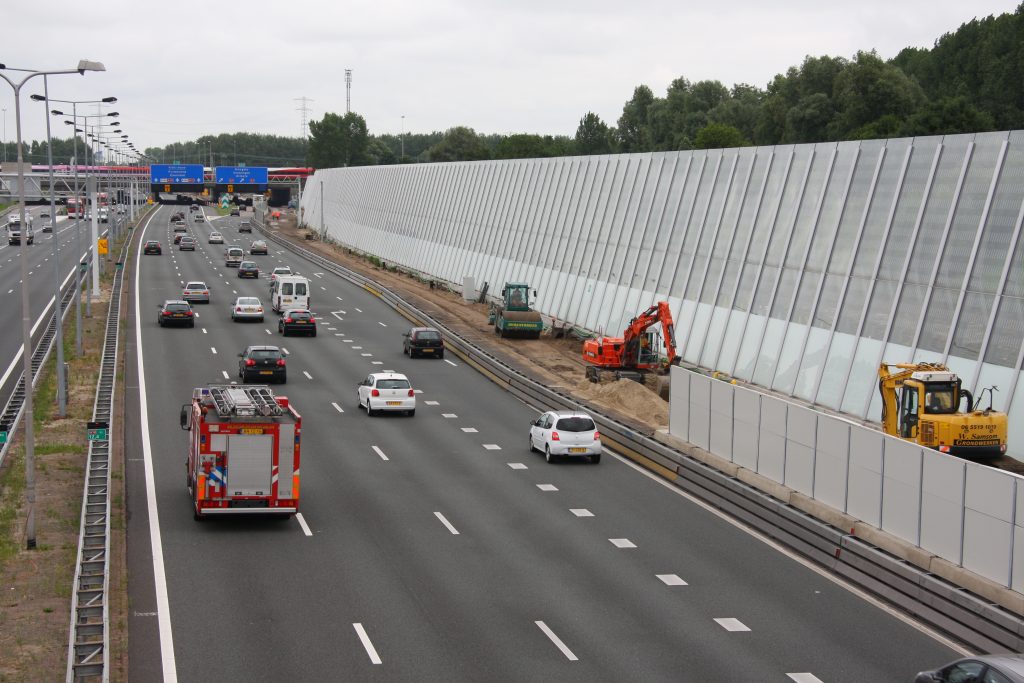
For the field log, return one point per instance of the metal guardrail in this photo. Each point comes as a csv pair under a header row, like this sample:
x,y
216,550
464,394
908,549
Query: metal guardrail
x,y
977,623
88,644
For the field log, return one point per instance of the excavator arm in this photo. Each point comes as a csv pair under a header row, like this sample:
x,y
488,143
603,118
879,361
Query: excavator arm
x,y
889,383
659,312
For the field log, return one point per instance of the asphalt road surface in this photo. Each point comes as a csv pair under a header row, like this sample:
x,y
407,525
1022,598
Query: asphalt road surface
x,y
437,548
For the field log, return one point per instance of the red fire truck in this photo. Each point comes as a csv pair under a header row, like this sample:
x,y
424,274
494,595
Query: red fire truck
x,y
243,453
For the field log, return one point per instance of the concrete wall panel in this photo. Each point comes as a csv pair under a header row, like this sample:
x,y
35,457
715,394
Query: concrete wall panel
x,y
832,463
700,411
721,419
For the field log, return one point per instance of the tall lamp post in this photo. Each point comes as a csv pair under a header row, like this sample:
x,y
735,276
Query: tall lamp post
x,y
26,311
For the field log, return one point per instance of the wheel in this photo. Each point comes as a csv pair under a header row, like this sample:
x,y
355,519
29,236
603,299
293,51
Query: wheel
x,y
313,333
411,413
192,323
547,454
441,355
283,380
159,322
595,458
405,351
369,410
532,449
284,332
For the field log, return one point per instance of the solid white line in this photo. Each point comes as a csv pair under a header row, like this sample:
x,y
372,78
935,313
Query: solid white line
x,y
308,376
365,640
170,670
450,363
379,452
337,407
455,532
302,523
557,641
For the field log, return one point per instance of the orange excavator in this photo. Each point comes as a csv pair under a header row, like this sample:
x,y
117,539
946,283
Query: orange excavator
x,y
635,353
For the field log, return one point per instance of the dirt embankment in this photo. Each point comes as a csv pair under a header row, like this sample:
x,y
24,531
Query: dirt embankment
x,y
557,363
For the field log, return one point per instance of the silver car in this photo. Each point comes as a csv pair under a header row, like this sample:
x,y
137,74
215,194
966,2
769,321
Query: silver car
x,y
247,308
196,291
216,238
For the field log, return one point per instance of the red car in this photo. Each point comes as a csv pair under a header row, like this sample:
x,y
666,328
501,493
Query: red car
x,y
152,247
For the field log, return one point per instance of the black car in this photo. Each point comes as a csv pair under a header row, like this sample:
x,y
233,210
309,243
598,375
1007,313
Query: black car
x,y
297,320
187,243
176,312
261,364
1008,668
423,341
178,216
152,247
248,269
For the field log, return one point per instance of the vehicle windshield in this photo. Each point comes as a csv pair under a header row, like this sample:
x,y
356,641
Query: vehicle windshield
x,y
283,271
196,285
430,335
938,398
248,301
575,424
248,264
393,384
152,244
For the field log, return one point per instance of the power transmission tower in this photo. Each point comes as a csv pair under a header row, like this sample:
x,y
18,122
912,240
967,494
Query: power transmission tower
x,y
304,109
348,91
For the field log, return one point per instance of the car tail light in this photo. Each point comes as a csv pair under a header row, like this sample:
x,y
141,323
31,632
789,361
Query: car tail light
x,y
287,320
167,312
280,362
249,363
188,313
597,435
374,393
207,293
555,437
412,393
259,309
238,309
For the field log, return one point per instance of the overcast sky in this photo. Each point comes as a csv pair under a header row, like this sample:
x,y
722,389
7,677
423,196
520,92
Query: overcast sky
x,y
182,69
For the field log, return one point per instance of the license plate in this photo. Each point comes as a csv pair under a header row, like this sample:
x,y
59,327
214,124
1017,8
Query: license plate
x,y
577,450
250,430
427,350
266,372
298,322
394,403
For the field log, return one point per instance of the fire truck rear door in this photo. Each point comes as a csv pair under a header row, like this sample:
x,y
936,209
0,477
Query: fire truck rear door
x,y
250,458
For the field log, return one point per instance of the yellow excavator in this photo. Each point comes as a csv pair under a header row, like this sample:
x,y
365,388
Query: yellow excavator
x,y
921,402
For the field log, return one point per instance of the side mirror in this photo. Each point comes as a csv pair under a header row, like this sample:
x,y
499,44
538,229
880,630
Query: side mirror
x,y
186,415
535,294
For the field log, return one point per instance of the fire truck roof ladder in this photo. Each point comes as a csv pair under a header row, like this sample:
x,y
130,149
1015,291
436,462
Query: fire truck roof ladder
x,y
245,401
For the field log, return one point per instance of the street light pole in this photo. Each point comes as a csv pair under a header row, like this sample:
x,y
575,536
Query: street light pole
x,y
403,141
58,310
26,310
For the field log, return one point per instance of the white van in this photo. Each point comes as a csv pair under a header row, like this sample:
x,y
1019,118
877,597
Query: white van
x,y
289,291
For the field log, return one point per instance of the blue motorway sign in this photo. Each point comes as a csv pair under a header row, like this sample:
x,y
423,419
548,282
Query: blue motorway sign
x,y
176,174
240,175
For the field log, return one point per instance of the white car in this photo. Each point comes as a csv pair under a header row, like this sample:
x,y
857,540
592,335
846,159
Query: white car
x,y
387,391
196,291
247,308
216,238
560,434
280,270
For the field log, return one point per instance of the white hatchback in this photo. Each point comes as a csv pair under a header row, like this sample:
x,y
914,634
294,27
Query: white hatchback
x,y
247,308
387,391
560,434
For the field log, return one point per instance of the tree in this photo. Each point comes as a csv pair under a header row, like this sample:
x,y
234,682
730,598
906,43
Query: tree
x,y
338,141
522,146
719,135
459,144
948,116
869,89
593,135
632,128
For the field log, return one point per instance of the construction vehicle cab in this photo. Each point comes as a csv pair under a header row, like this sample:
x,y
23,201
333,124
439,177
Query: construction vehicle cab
x,y
513,316
925,403
637,351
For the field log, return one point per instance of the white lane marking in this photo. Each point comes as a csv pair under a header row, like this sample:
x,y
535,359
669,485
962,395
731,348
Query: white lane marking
x,y
547,487
170,671
364,355
455,532
357,348
378,362
224,372
418,391
379,452
284,351
339,298
804,678
302,523
337,407
308,376
731,624
365,640
557,641
449,416
431,403
492,446
671,580
336,334
517,466
10,291
469,430
335,314
213,349
378,322
581,512
347,341
360,310
267,331
622,543
204,331
234,291
450,363
323,288
318,274
863,595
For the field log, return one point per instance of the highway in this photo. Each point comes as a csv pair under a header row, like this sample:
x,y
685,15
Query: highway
x,y
437,547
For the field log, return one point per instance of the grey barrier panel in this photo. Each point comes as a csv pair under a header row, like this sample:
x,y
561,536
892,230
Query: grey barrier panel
x,y
942,504
832,462
901,489
721,419
700,411
1017,578
864,500
679,403
801,433
746,406
771,448
988,522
